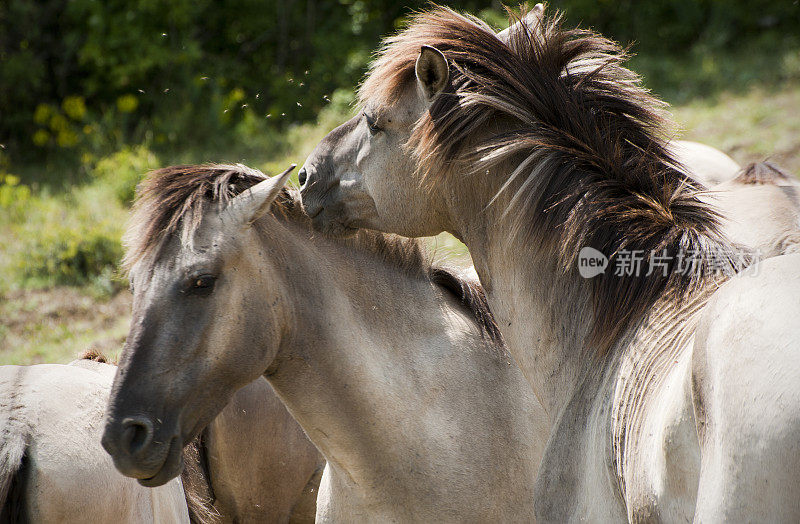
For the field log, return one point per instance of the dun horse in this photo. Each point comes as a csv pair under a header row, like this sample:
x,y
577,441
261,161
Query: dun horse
x,y
255,463
761,209
675,393
705,164
391,366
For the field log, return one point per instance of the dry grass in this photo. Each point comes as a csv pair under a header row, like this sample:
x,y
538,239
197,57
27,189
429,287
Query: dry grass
x,y
59,324
754,126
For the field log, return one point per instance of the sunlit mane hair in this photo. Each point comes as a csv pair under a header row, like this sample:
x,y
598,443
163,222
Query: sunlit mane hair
x,y
171,195
585,142
177,197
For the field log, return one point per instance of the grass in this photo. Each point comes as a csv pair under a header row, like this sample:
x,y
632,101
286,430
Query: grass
x,y
752,126
58,324
44,322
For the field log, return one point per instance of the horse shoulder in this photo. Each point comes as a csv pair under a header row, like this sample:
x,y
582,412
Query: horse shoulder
x,y
746,395
272,483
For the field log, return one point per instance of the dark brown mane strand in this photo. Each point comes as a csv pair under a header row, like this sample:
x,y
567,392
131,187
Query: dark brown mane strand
x,y
471,296
196,478
95,356
587,142
170,195
764,172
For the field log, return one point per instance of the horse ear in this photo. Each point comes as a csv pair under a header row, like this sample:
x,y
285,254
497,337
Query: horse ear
x,y
432,71
251,205
533,19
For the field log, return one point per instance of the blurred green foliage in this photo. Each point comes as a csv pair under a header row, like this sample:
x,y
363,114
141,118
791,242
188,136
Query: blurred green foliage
x,y
82,78
89,76
70,236
674,26
123,170
14,197
72,255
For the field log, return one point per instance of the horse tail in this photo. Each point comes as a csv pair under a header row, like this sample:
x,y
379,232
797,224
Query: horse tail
x,y
13,459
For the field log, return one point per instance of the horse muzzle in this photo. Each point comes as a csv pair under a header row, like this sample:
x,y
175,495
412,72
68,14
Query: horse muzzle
x,y
141,449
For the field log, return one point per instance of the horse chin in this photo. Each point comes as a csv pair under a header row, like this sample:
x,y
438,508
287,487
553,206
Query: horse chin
x,y
170,468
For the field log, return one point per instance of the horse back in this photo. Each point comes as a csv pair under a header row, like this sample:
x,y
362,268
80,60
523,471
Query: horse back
x,y
746,395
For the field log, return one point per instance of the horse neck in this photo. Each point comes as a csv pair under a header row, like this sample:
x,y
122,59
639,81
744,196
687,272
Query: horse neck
x,y
371,343
543,314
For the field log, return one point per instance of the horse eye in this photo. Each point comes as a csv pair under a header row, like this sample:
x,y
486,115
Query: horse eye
x,y
203,283
372,124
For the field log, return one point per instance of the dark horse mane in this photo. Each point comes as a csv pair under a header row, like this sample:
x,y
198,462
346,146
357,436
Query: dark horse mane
x,y
172,196
585,141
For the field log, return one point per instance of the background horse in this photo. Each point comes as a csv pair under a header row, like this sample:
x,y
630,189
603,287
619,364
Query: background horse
x,y
391,366
52,468
529,148
760,209
704,163
259,462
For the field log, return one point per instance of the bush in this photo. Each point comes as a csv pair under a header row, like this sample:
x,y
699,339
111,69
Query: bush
x,y
123,170
71,238
71,255
14,197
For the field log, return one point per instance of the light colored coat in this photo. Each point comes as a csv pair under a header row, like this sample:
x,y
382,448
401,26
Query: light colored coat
x,y
52,468
686,409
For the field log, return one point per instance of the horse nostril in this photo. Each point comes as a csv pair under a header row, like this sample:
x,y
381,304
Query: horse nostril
x,y
137,433
302,176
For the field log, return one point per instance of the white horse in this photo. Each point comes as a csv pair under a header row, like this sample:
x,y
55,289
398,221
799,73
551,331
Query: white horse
x,y
52,467
674,387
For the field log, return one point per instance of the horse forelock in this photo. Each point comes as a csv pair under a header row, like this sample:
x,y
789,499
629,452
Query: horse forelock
x,y
177,196
587,142
174,200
